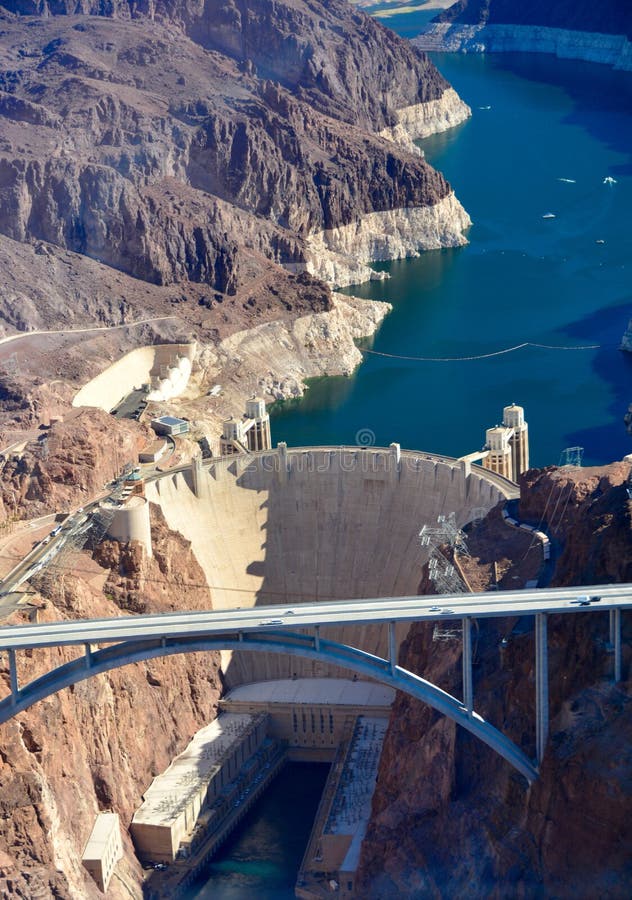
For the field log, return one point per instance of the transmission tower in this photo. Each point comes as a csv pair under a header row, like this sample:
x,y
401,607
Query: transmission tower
x,y
441,571
572,456
50,579
446,532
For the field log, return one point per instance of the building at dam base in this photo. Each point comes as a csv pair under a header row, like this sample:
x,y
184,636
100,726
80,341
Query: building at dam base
x,y
198,778
191,808
310,715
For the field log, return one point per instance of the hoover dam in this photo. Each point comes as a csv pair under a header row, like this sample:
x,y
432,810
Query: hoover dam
x,y
322,523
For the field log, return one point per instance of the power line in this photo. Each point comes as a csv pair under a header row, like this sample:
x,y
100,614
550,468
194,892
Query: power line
x,y
480,356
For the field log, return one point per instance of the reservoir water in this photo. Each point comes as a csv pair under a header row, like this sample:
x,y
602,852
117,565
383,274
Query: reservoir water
x,y
560,282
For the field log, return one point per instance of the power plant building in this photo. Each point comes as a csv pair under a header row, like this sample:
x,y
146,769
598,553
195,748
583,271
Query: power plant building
x,y
194,780
169,425
103,849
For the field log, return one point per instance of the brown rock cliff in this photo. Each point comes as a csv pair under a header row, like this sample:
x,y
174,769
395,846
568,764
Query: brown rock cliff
x,y
98,745
450,818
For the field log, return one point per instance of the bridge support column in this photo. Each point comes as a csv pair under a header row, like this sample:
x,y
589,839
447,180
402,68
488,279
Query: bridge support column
x,y
392,646
317,638
615,641
88,657
13,676
468,696
541,686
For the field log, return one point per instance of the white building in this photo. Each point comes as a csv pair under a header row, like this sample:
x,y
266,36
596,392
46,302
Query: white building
x,y
508,444
194,779
104,849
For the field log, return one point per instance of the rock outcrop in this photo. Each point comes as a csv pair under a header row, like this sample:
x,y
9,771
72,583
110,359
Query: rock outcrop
x,y
177,142
187,165
279,356
599,33
451,819
68,464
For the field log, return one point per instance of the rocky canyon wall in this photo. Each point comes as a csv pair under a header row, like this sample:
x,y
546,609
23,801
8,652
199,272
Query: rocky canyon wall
x,y
177,143
97,746
595,32
609,49
452,819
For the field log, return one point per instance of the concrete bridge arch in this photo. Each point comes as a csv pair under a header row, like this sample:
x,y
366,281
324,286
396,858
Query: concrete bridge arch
x,y
96,662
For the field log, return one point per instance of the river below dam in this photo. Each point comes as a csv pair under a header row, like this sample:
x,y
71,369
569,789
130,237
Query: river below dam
x,y
522,279
261,860
548,263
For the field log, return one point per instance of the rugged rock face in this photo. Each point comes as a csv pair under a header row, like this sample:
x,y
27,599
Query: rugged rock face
x,y
608,17
183,142
68,464
282,355
451,819
187,165
339,254
593,32
98,745
588,511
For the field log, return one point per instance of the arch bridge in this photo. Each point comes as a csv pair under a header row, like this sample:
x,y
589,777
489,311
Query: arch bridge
x,y
278,630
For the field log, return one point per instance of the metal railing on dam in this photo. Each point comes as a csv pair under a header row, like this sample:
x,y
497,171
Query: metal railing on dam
x,y
133,639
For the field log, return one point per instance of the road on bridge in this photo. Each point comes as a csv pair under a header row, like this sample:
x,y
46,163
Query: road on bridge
x,y
304,615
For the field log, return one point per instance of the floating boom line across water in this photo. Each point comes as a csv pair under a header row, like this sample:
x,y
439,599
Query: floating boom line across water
x,y
480,356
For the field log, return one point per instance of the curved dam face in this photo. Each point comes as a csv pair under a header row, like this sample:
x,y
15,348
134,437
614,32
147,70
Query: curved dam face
x,y
291,526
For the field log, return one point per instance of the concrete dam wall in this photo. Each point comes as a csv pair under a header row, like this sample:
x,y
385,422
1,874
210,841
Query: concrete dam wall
x,y
290,526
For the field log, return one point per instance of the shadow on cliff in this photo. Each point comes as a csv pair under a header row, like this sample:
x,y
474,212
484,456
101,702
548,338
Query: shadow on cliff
x,y
614,367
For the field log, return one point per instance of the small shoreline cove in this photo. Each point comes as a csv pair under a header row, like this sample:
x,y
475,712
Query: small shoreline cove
x,y
544,135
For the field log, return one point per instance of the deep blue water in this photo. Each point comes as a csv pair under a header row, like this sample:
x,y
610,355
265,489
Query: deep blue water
x,y
522,278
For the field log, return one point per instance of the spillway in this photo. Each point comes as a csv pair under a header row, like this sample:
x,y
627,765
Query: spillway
x,y
320,523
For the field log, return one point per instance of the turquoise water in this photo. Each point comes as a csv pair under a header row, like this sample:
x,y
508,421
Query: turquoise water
x,y
407,24
262,858
522,278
